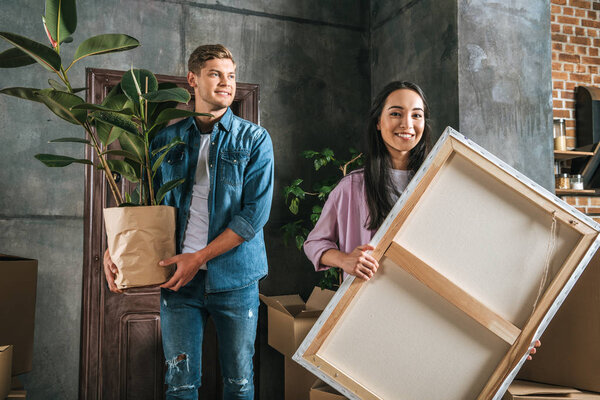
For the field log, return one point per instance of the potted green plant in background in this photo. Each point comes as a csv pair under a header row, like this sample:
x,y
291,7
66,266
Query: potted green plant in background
x,y
131,114
307,206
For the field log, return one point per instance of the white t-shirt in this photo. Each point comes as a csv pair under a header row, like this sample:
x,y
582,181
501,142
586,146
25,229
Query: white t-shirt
x,y
196,231
400,179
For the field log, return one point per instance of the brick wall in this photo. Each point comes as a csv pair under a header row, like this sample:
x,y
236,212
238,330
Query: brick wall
x,y
575,55
586,204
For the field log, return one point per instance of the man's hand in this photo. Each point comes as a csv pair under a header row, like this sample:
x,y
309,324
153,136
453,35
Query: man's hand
x,y
110,271
188,265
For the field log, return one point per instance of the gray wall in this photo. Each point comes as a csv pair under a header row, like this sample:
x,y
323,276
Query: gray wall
x,y
417,41
505,83
485,67
310,60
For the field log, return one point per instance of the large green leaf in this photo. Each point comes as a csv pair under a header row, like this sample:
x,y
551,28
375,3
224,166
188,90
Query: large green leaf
x,y
23,93
174,142
134,82
115,90
178,94
102,44
164,189
59,86
123,153
14,58
56,85
173,113
53,160
96,107
118,102
70,140
114,100
107,133
61,18
44,55
120,121
61,104
134,144
123,168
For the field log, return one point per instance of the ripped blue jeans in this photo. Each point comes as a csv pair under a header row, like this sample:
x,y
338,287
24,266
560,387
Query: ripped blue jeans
x,y
183,317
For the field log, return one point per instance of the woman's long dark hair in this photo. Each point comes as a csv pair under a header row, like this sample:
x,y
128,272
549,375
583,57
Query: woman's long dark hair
x,y
378,162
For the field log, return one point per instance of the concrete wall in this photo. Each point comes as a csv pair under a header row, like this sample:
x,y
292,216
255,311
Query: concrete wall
x,y
310,60
505,82
417,41
485,67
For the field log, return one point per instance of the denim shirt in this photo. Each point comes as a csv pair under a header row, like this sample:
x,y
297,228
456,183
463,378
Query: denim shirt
x,y
240,163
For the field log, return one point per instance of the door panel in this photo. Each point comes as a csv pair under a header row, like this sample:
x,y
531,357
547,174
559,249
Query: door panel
x,y
121,350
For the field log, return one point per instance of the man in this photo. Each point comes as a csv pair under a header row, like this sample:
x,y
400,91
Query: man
x,y
222,206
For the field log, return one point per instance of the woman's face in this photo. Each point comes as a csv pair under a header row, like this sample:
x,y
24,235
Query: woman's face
x,y
402,121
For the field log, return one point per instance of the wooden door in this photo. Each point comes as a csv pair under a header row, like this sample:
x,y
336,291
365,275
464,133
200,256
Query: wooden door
x,y
121,350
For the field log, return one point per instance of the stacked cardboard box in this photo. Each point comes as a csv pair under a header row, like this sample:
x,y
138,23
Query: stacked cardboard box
x,y
289,321
322,391
18,283
570,355
5,370
524,390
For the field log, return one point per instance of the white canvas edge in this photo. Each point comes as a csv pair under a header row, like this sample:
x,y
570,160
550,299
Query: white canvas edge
x,y
388,221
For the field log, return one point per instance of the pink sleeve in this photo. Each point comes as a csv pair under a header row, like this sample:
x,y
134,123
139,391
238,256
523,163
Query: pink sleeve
x,y
324,236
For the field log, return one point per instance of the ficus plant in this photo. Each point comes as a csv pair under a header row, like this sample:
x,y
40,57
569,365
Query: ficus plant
x,y
306,206
132,113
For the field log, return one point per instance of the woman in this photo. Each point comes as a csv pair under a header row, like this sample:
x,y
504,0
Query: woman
x,y
398,137
397,141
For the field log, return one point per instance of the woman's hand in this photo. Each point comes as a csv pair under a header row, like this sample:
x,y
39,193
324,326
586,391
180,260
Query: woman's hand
x,y
359,263
534,350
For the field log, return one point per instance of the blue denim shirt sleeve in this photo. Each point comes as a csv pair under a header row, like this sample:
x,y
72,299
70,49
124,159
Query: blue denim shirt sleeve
x,y
258,189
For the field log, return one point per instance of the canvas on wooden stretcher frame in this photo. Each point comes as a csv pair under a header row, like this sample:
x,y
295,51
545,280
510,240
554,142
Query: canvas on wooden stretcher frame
x,y
467,252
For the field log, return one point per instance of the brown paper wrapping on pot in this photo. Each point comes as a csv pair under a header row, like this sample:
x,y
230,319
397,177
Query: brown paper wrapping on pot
x,y
138,238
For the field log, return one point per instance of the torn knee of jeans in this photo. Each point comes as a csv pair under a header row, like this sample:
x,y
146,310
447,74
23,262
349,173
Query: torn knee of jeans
x,y
183,387
177,362
242,382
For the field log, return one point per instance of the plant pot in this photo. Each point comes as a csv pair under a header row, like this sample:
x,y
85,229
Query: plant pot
x,y
138,238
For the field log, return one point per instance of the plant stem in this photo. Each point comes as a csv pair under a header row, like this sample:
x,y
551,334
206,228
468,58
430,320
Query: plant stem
x,y
107,171
66,79
344,167
146,144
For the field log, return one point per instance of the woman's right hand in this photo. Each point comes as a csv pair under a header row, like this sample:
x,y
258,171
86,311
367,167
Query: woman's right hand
x,y
359,263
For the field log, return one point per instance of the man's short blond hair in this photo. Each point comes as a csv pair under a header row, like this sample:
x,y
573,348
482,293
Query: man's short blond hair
x,y
207,52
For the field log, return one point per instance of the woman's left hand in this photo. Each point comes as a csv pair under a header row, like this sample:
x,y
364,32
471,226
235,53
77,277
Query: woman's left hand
x,y
534,350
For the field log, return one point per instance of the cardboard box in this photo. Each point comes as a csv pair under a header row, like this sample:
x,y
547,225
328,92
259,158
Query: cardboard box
x,y
524,390
18,283
322,391
290,319
570,355
298,381
5,370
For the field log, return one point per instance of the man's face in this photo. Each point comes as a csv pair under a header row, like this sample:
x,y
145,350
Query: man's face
x,y
214,86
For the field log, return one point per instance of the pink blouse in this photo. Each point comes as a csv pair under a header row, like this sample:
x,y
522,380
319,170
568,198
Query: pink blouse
x,y
344,216
342,221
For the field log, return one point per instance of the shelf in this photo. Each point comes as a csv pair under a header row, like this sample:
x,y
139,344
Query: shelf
x,y
570,154
573,192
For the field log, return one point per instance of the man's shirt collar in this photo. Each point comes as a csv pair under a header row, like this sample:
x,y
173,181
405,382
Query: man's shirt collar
x,y
224,123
